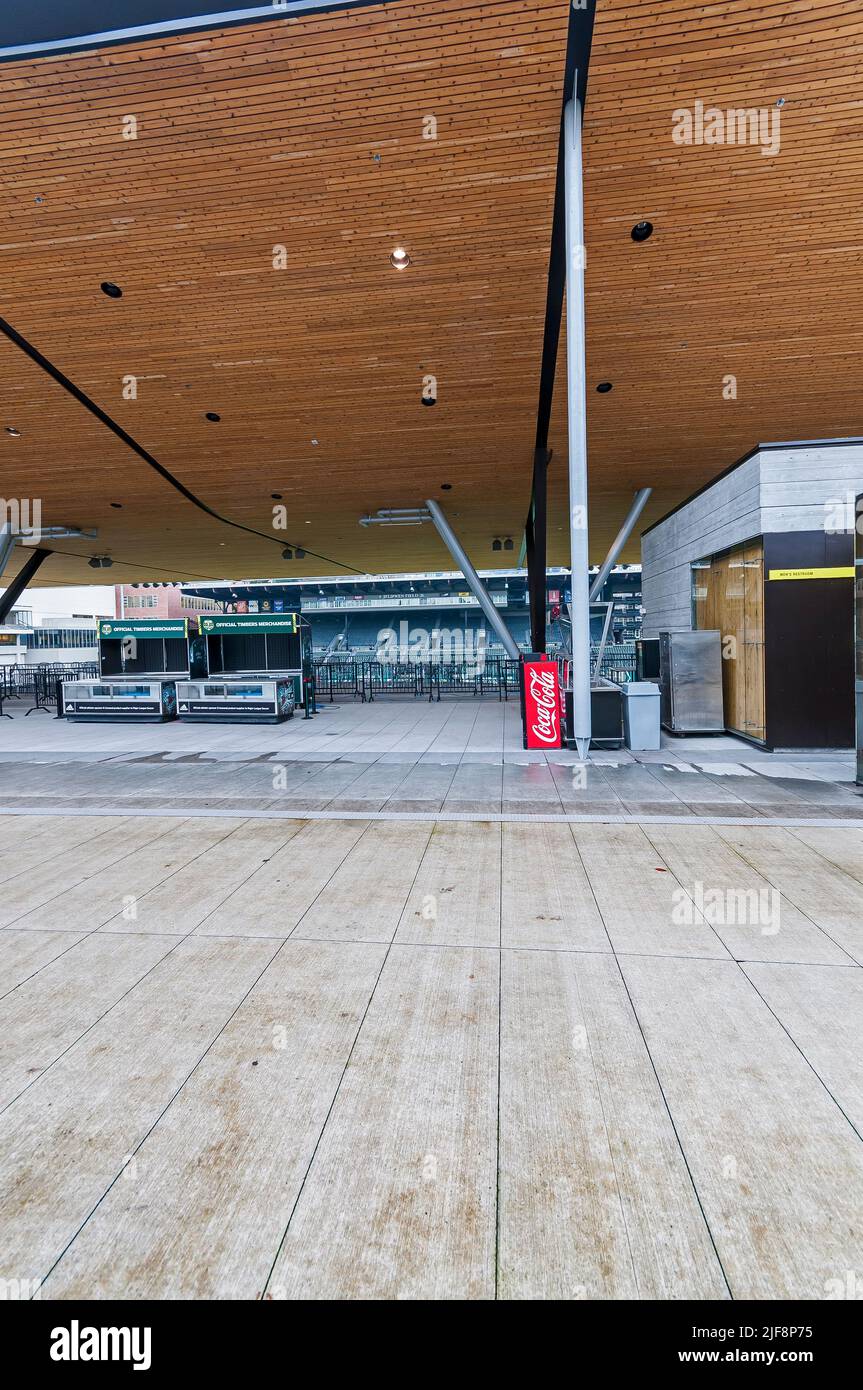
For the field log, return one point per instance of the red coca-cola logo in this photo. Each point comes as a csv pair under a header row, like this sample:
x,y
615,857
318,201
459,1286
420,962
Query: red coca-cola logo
x,y
544,705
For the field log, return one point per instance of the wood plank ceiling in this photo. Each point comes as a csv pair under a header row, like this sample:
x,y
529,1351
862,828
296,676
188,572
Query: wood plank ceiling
x,y
309,134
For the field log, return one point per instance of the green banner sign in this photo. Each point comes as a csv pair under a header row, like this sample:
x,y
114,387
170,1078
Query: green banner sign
x,y
142,627
248,622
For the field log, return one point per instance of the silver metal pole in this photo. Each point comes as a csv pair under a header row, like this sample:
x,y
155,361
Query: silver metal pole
x,y
620,540
576,393
473,580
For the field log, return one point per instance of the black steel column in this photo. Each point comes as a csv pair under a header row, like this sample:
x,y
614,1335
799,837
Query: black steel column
x,y
535,549
20,582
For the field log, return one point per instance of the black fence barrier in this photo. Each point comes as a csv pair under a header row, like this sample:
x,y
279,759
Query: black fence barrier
x,y
368,680
393,678
334,678
618,662
41,686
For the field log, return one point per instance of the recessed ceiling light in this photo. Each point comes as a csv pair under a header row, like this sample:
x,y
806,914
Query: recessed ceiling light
x,y
641,231
446,487
10,429
287,554
300,554
211,415
399,258
111,290
118,505
276,496
428,400
604,387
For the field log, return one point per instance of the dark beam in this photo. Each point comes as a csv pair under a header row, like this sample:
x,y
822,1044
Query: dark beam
x,y
574,82
20,582
125,438
536,535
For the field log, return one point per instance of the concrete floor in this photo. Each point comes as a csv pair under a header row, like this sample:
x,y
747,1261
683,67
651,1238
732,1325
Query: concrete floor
x,y
351,1053
461,758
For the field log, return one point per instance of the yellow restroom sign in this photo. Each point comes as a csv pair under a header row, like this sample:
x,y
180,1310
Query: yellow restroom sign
x,y
838,572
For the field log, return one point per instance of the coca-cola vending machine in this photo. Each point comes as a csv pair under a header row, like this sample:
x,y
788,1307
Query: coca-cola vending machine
x,y
541,709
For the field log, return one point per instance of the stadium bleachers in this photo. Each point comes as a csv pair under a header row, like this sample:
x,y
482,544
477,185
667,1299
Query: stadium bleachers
x,y
458,629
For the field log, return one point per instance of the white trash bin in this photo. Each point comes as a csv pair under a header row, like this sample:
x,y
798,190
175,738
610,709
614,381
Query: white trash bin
x,y
641,715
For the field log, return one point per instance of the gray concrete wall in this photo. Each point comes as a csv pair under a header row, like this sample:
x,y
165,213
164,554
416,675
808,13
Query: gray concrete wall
x,y
778,489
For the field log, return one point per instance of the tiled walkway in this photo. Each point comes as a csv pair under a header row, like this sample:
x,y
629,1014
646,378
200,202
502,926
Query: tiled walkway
x,y
404,758
381,1017
292,1059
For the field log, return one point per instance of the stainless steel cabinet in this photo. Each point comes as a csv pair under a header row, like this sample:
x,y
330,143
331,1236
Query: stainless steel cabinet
x,y
690,679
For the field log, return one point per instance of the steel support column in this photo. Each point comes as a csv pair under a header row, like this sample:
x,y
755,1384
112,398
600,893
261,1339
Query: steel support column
x,y
472,579
20,582
536,538
620,540
576,395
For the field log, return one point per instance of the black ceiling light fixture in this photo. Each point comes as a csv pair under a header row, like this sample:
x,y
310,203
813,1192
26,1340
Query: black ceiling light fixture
x,y
287,554
212,416
16,434
111,290
102,562
446,487
276,496
117,505
604,387
641,231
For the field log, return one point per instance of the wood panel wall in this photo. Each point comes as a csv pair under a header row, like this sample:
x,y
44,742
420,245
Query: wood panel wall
x,y
728,598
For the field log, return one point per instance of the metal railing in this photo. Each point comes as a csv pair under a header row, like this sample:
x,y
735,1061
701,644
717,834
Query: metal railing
x,y
368,680
39,686
618,662
345,603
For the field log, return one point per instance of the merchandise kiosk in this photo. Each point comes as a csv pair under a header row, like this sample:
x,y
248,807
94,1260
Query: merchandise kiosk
x,y
140,662
255,665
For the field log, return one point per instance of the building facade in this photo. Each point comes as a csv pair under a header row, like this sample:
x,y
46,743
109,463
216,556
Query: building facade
x,y
765,555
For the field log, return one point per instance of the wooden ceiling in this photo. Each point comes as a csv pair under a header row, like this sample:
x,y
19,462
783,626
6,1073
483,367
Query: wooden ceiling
x,y
754,267
308,133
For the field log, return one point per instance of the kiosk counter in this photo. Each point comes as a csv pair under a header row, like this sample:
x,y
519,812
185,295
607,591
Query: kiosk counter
x,y
254,665
140,662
